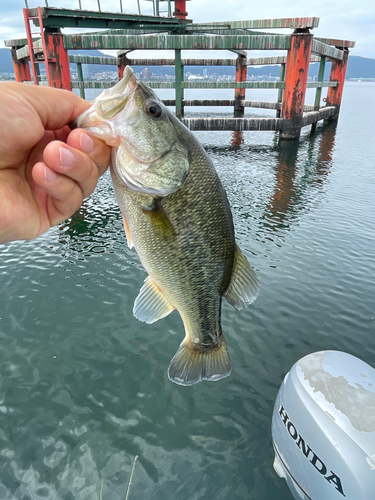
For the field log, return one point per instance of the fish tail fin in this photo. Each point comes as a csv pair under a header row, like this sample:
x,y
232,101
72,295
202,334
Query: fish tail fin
x,y
192,364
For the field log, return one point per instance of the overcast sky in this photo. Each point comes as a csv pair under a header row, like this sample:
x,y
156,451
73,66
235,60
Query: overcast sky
x,y
342,19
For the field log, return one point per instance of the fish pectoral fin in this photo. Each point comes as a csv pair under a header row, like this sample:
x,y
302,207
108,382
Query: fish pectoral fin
x,y
192,364
151,305
243,288
128,235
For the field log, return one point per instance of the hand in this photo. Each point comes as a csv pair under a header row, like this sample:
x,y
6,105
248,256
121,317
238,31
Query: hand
x,y
46,170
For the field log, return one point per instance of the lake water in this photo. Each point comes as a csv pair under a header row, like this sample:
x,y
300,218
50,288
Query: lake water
x,y
83,384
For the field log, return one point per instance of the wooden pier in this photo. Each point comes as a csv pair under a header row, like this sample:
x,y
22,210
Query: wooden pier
x,y
129,32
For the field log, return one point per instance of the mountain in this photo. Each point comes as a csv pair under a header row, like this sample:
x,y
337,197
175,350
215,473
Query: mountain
x,y
358,67
6,65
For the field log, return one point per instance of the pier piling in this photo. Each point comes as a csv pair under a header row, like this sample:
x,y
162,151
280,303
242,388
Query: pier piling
x,y
296,72
239,94
334,94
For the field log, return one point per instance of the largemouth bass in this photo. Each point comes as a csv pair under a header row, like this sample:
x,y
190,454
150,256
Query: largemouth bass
x,y
177,216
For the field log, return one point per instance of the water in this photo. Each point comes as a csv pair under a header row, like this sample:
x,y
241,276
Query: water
x,y
83,384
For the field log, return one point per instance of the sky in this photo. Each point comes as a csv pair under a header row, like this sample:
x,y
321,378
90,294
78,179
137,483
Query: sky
x,y
341,19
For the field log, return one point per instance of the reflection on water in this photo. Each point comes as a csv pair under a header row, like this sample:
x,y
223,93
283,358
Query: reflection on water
x,y
237,138
291,191
83,384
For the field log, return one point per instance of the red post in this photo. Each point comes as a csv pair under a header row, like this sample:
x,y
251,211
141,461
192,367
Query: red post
x,y
239,94
180,9
237,138
21,67
296,72
57,61
30,44
334,94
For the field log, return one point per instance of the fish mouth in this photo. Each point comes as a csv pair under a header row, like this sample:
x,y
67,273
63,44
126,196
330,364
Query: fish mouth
x,y
125,86
107,100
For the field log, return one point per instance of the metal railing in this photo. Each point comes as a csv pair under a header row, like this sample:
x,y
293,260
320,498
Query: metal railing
x,y
155,6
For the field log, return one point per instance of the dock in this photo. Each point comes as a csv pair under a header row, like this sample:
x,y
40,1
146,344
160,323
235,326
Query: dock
x,y
126,33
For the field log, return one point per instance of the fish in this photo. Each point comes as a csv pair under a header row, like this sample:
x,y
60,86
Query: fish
x,y
177,217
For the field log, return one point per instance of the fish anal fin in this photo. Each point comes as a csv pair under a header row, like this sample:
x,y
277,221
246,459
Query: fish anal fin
x,y
191,364
128,235
243,288
151,305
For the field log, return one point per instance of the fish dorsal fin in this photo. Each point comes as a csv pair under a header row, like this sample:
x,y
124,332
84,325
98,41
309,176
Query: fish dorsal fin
x,y
243,288
128,235
151,305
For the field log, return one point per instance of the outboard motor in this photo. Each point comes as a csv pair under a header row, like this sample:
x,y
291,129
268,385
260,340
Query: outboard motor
x,y
323,428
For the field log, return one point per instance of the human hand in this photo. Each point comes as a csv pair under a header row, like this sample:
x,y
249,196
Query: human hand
x,y
46,170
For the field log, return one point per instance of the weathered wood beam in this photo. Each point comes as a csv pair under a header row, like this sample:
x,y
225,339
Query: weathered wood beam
x,y
185,62
314,85
314,116
337,43
232,85
107,84
245,124
187,85
19,42
293,23
24,52
326,50
257,61
82,59
176,42
230,103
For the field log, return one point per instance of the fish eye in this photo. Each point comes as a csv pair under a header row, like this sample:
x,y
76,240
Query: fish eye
x,y
153,109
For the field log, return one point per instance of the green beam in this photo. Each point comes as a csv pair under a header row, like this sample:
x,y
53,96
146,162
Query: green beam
x,y
314,85
293,23
80,78
281,91
323,49
179,80
257,61
318,93
233,85
81,59
110,83
176,42
201,85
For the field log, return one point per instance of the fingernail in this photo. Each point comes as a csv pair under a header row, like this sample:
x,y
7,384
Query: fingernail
x,y
86,143
49,174
66,157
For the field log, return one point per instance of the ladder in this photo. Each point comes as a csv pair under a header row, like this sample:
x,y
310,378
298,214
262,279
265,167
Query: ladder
x,y
32,48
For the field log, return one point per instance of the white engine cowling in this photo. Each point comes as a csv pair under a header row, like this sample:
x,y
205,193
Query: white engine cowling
x,y
323,428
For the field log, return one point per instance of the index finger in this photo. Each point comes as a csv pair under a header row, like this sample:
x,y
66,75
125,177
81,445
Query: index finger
x,y
55,107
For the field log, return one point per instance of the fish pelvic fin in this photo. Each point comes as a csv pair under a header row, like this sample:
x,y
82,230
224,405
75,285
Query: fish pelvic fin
x,y
243,288
128,235
192,364
151,305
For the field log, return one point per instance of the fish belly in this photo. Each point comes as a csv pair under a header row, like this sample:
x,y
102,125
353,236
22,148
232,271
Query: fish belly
x,y
186,244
